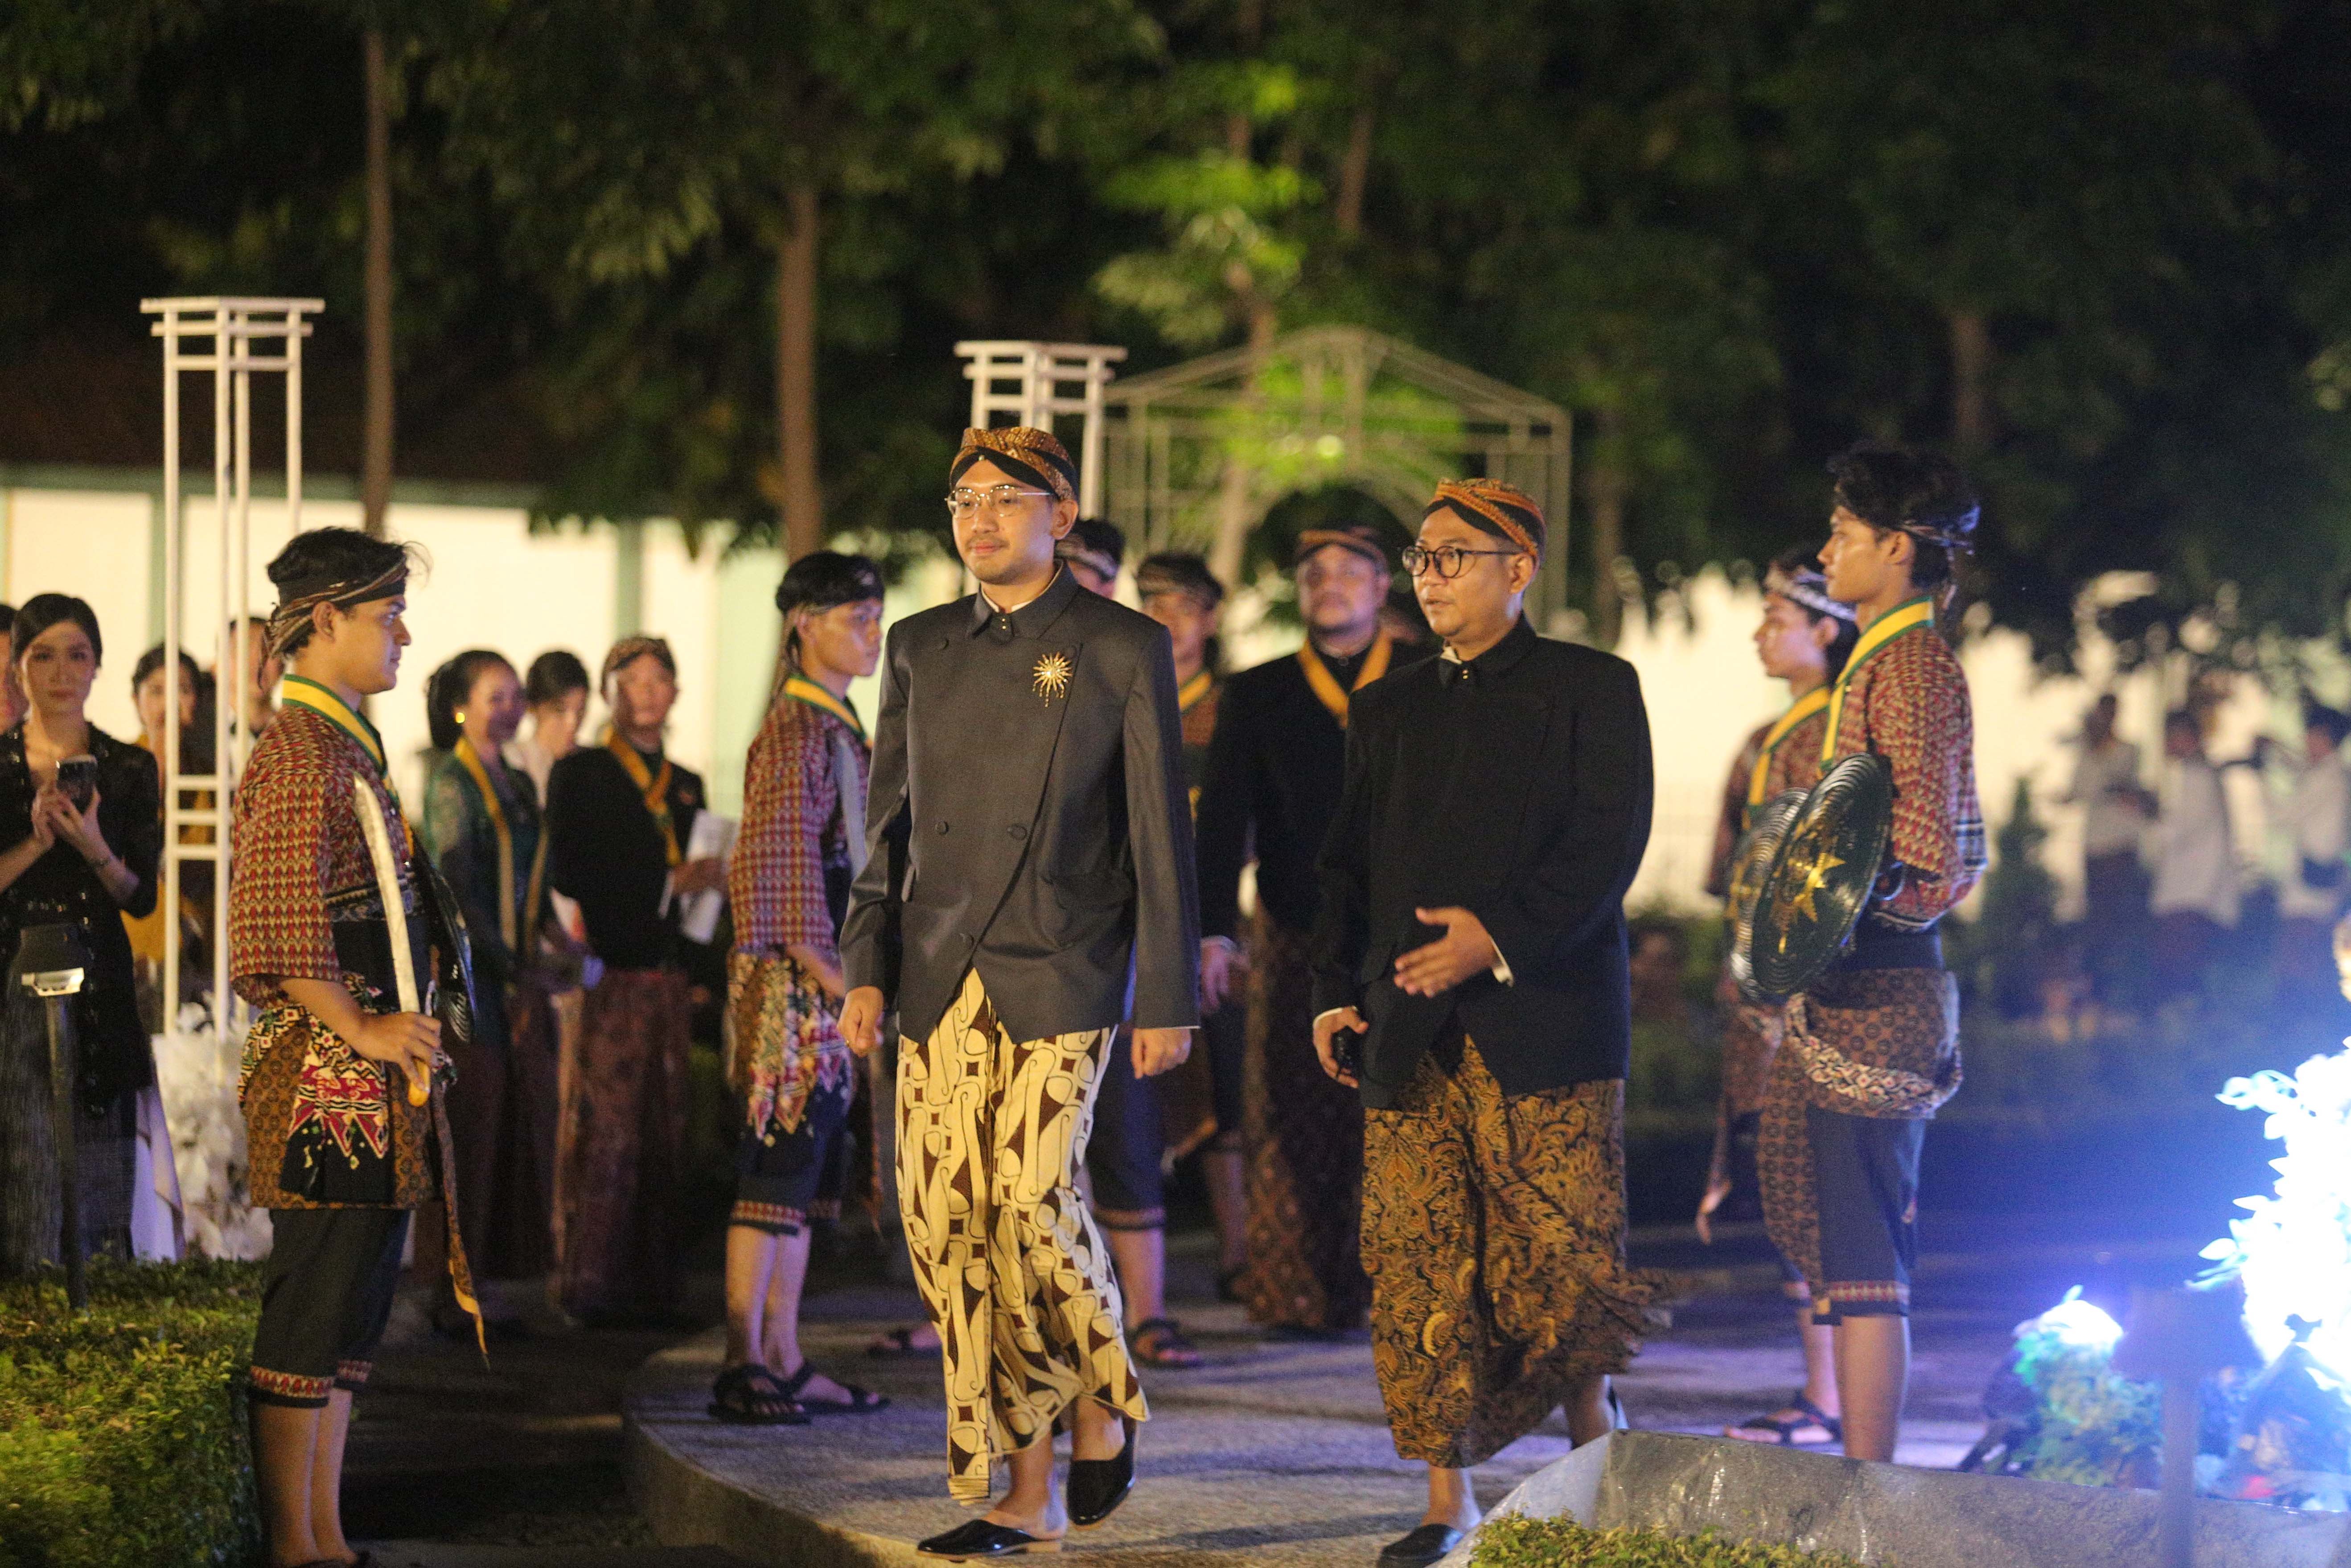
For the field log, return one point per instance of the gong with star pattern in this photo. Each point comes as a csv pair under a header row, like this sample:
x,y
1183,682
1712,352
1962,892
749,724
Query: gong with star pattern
x,y
1750,862
1820,880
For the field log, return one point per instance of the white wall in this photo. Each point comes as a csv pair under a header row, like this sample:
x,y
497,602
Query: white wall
x,y
493,583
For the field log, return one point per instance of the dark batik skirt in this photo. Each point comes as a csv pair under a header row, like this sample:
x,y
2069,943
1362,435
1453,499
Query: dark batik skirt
x,y
620,1146
1494,1230
1305,1149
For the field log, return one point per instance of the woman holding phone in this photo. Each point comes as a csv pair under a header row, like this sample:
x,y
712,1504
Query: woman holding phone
x,y
81,816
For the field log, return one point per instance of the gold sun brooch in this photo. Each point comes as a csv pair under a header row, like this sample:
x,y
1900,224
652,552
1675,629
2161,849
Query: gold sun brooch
x,y
1052,676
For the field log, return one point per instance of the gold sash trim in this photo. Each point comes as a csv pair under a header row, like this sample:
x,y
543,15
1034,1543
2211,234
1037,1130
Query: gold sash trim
x,y
1326,685
654,787
1804,706
472,759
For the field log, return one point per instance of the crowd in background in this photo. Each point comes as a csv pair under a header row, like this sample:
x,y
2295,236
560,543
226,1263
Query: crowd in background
x,y
2166,893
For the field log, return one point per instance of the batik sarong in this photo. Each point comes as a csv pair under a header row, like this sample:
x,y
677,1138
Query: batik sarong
x,y
619,1146
1494,1231
1305,1144
991,1132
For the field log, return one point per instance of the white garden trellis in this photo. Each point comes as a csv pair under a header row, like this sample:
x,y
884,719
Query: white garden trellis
x,y
233,338
1028,380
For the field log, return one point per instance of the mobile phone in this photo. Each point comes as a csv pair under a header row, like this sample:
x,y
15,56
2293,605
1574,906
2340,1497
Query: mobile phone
x,y
1347,1050
78,780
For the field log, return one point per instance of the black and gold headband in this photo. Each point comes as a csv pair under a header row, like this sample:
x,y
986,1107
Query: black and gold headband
x,y
291,619
1023,452
1491,507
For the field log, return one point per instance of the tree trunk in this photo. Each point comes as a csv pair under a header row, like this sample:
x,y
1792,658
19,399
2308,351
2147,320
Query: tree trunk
x,y
1605,490
375,459
1226,555
1970,382
1354,173
803,499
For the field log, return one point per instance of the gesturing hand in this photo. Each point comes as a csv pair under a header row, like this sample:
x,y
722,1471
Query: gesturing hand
x,y
861,1019
1158,1050
1326,1040
1464,950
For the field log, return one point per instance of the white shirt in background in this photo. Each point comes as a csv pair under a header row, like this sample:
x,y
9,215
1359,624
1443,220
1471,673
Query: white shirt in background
x,y
2318,828
2194,854
2111,824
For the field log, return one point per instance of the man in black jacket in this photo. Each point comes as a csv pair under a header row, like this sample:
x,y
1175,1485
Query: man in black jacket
x,y
1029,885
1272,787
1470,976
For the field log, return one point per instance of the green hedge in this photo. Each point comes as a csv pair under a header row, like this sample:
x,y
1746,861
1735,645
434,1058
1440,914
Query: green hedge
x,y
123,1431
1511,1541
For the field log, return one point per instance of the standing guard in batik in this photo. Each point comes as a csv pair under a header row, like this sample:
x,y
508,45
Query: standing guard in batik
x,y
1804,639
801,843
1871,1048
345,1120
1029,885
1472,935
1272,787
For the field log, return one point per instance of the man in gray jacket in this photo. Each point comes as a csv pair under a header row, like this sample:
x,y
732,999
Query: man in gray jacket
x,y
1030,884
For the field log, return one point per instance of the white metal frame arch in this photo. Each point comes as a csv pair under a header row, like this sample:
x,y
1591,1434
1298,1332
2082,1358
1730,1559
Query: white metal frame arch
x,y
231,338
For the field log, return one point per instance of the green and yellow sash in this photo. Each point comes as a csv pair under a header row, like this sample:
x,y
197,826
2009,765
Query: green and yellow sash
x,y
1804,706
1907,616
802,689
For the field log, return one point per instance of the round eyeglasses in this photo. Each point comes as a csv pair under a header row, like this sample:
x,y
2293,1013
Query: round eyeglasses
x,y
1447,561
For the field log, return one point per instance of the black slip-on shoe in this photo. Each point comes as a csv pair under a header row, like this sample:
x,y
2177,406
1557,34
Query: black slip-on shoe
x,y
1423,1546
1097,1487
978,1541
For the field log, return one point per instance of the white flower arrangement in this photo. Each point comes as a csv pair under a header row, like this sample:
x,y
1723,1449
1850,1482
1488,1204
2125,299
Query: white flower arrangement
x,y
196,1070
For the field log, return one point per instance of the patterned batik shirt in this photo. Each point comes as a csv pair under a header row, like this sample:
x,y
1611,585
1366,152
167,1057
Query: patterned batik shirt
x,y
325,1127
786,885
1908,703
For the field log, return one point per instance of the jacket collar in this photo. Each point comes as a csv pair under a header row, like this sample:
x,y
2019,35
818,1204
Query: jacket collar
x,y
1516,644
1032,619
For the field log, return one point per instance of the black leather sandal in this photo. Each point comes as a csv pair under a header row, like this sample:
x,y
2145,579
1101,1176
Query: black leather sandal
x,y
1096,1487
861,1401
1785,1431
1160,1342
749,1396
978,1541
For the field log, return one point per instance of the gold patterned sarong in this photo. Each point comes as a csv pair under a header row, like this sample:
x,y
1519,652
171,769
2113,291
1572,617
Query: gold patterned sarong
x,y
991,1133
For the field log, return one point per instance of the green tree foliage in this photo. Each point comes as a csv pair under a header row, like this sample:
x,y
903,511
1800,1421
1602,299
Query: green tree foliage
x,y
2096,245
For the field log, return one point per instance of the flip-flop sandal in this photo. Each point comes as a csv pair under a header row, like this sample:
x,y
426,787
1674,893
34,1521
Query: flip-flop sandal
x,y
861,1401
897,1344
746,1395
1784,1431
1160,1342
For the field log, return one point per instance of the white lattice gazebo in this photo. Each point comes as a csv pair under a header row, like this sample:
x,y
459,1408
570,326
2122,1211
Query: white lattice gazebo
x,y
1196,455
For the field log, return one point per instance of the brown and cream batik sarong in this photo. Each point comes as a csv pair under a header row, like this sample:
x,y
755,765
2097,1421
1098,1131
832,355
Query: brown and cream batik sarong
x,y
991,1132
1494,1231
